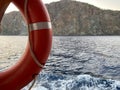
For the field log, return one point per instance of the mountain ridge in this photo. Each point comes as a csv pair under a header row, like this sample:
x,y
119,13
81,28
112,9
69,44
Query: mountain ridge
x,y
69,17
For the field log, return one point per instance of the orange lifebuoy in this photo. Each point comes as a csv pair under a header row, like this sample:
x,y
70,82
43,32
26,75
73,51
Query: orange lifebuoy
x,y
22,72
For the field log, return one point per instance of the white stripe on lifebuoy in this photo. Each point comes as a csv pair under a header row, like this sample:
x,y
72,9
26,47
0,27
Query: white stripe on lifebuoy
x,y
40,26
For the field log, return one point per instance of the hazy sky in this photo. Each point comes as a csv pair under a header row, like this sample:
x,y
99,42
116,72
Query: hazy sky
x,y
104,4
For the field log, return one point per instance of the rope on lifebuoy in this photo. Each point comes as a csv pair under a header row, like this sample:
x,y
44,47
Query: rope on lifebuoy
x,y
33,83
30,43
31,49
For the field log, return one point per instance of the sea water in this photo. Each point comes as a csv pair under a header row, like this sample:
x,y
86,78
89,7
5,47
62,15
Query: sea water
x,y
75,63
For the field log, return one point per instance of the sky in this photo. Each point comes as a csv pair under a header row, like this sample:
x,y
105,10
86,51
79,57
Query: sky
x,y
104,4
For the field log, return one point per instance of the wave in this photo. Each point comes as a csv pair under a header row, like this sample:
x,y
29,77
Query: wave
x,y
50,81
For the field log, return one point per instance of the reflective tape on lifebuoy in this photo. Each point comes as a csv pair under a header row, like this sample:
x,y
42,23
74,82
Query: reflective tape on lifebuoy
x,y
39,23
40,26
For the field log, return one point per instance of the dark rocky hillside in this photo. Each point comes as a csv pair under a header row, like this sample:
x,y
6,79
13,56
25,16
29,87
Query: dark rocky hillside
x,y
13,24
69,17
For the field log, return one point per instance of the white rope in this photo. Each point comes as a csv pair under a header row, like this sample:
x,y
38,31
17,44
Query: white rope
x,y
31,48
33,83
30,43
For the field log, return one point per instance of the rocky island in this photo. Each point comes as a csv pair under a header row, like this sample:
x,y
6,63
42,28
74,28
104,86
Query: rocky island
x,y
69,18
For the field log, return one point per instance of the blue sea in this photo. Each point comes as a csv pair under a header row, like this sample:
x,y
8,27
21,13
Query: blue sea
x,y
75,62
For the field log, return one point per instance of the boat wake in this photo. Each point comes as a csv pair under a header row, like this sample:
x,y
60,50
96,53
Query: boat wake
x,y
49,81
